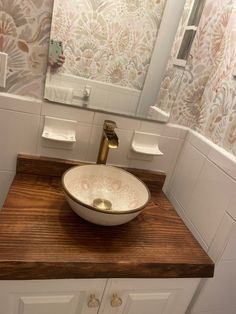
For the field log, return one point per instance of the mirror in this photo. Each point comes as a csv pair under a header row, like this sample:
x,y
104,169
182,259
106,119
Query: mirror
x,y
119,54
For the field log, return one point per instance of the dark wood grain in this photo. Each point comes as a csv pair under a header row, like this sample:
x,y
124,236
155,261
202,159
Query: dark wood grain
x,y
56,167
42,238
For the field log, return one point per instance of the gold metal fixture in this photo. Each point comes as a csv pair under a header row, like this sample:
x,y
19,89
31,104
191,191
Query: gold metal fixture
x,y
102,203
109,140
93,302
116,301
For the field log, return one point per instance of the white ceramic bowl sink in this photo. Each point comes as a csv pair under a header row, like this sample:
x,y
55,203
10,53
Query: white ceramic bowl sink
x,y
104,195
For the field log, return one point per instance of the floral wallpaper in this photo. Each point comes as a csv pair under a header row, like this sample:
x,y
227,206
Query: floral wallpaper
x,y
173,75
24,35
203,96
106,40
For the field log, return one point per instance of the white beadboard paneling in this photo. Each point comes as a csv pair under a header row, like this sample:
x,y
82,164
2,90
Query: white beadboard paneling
x,y
230,251
19,134
210,199
122,122
20,103
5,182
67,112
221,238
186,173
80,148
218,294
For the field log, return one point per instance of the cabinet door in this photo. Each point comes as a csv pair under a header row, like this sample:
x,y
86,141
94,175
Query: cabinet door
x,y
148,296
51,296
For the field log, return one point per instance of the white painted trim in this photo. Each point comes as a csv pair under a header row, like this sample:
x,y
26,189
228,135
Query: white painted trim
x,y
171,17
20,103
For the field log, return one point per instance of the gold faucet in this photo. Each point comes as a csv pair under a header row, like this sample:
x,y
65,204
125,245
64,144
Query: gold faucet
x,y
109,140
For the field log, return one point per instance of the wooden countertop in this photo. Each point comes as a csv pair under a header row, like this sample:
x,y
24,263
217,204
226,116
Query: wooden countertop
x,y
42,238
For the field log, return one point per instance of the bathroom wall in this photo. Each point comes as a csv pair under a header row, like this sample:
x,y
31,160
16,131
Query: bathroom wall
x,y
108,41
205,100
202,190
21,125
119,52
173,74
24,35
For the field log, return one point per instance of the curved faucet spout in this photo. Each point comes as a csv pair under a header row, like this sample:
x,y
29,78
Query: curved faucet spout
x,y
109,140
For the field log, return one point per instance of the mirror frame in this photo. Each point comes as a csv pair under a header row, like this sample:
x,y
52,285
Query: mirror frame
x,y
170,20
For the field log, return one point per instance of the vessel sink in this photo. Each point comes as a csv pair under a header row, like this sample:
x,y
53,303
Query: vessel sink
x,y
104,195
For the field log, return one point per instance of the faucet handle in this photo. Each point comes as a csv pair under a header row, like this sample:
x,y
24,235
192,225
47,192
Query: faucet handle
x,y
109,125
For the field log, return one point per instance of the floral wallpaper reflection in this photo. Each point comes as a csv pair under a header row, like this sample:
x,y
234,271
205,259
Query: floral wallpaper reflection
x,y
203,96
106,40
24,34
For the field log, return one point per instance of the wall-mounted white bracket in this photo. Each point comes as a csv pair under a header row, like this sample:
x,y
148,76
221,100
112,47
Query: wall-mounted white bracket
x,y
59,131
146,143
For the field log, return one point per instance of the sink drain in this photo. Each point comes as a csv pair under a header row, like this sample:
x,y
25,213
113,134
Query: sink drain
x,y
102,203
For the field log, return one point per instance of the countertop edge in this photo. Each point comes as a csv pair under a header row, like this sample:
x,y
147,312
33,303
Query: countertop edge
x,y
17,270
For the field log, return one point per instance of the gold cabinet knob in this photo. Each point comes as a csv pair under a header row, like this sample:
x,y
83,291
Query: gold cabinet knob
x,y
116,301
93,302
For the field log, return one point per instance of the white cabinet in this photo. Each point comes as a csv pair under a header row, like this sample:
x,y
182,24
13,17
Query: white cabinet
x,y
148,296
51,296
100,296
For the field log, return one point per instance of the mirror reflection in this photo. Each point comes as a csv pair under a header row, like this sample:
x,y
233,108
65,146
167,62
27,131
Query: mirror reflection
x,y
112,55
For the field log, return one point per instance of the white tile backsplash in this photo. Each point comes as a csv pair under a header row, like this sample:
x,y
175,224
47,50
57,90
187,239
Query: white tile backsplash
x,y
78,151
230,251
19,134
186,173
67,112
20,103
151,127
210,199
170,148
5,182
122,122
202,189
173,130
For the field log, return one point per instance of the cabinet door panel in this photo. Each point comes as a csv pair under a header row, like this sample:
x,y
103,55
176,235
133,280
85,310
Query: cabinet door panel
x,y
51,296
138,303
148,296
48,304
